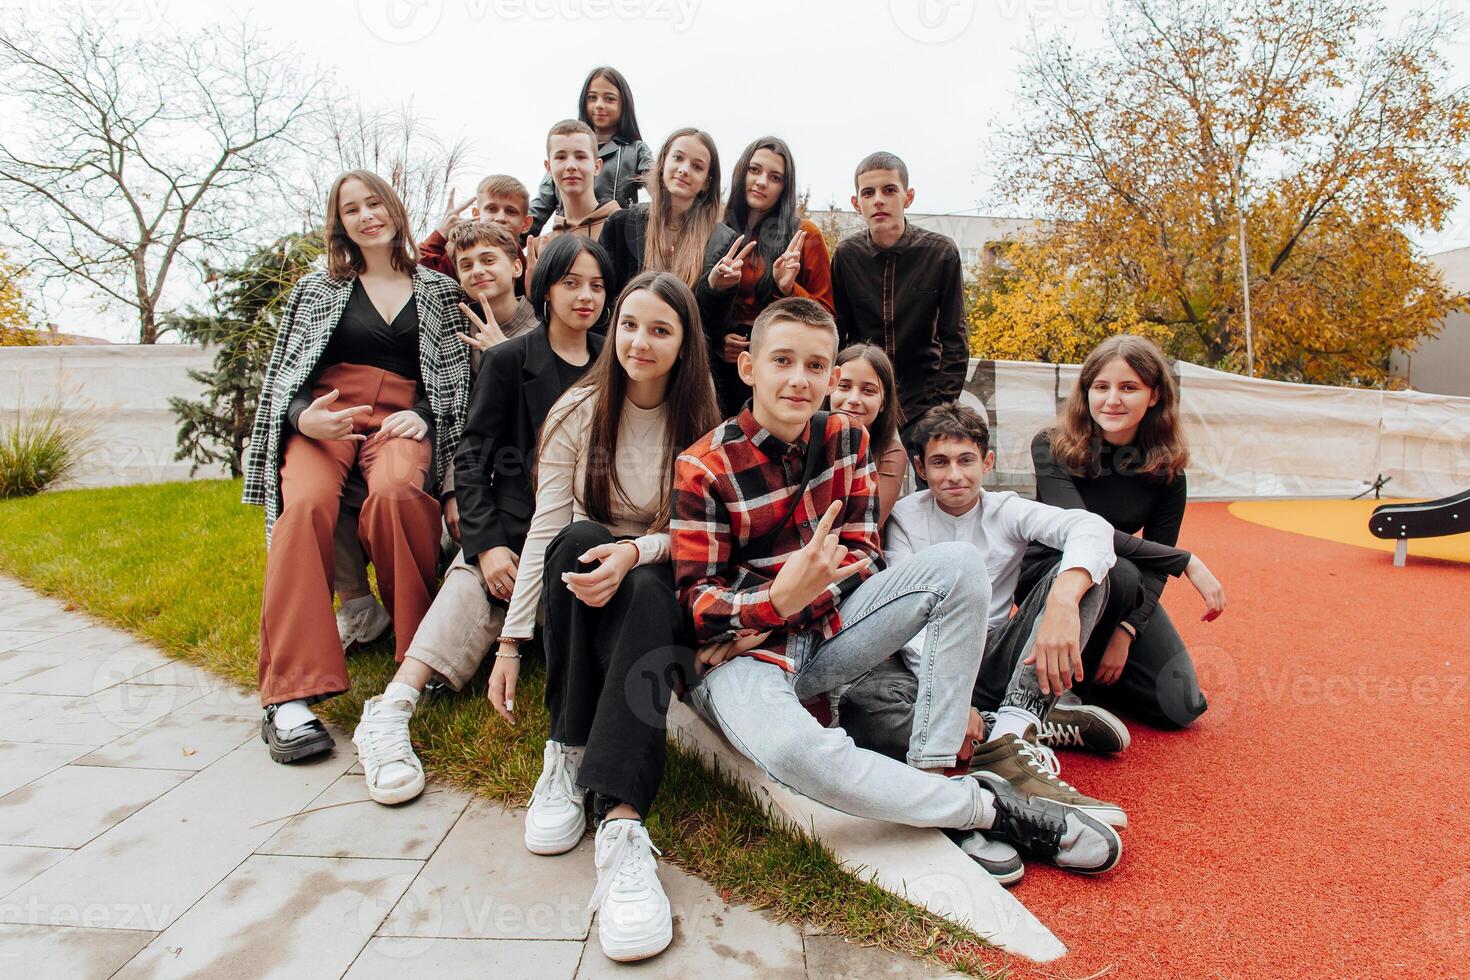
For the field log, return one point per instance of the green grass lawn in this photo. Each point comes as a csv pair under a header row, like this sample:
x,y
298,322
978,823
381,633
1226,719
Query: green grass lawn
x,y
181,564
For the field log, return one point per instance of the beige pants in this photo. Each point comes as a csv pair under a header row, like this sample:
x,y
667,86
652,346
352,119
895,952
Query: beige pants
x,y
457,632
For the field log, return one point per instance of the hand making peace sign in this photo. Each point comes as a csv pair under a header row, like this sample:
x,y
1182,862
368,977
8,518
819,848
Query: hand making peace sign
x,y
726,272
487,332
788,264
817,564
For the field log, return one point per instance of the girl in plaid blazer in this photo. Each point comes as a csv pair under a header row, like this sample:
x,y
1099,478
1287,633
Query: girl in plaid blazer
x,y
366,372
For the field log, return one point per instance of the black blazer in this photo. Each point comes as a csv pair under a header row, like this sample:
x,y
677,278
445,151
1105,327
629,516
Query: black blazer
x,y
513,393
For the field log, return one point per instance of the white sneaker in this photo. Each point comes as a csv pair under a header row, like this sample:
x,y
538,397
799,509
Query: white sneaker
x,y
363,625
634,921
392,770
556,818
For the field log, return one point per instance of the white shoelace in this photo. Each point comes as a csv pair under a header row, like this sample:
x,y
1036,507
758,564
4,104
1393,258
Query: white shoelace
x,y
624,861
1059,734
386,740
555,783
1044,762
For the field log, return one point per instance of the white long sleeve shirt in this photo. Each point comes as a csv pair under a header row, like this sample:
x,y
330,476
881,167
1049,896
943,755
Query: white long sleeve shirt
x,y
1001,525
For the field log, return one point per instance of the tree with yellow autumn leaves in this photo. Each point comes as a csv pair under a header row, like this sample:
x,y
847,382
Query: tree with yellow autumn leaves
x,y
1143,153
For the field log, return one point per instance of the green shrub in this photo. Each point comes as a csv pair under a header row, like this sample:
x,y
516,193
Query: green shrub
x,y
37,450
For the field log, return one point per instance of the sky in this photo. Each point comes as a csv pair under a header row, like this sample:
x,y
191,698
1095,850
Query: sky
x,y
926,79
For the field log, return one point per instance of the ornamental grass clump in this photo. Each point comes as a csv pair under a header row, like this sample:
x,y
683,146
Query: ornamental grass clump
x,y
38,449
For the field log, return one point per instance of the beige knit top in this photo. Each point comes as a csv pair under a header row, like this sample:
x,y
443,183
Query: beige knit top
x,y
561,471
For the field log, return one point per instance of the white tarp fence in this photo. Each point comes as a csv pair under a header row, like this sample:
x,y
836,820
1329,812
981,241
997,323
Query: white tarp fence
x,y
1248,438
1255,438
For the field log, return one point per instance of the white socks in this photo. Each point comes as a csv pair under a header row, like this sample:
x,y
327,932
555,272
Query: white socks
x,y
1012,720
360,603
396,692
987,802
292,714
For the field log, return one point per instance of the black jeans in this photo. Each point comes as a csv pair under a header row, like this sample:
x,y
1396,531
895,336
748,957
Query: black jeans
x,y
877,711
610,670
1158,685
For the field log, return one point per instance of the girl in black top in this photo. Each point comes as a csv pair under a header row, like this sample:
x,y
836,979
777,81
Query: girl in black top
x,y
1118,451
366,373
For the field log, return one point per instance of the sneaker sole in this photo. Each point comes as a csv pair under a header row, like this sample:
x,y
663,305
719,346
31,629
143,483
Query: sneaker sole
x,y
1111,815
630,952
1005,878
556,846
396,795
1115,849
317,746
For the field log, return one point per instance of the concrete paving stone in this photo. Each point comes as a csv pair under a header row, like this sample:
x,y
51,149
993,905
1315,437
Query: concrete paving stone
x,y
345,822
21,762
392,958
146,871
711,938
278,916
97,719
178,672
92,639
834,958
176,741
15,639
224,700
19,865
482,883
39,613
64,953
17,665
99,661
71,805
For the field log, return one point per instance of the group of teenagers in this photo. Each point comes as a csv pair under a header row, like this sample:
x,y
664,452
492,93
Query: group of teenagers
x,y
667,444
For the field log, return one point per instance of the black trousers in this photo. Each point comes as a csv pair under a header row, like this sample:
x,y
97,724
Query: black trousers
x,y
1158,685
610,670
877,711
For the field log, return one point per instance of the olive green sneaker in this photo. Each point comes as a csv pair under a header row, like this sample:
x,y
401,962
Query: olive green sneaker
x,y
1072,724
1033,770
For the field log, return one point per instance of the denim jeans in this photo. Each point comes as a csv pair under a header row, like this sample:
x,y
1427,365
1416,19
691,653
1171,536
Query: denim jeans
x,y
881,708
939,592
757,705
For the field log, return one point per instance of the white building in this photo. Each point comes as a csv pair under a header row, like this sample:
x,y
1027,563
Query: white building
x,y
975,234
1441,364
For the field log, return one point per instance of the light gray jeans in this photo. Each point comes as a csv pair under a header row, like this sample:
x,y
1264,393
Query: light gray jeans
x,y
460,626
757,705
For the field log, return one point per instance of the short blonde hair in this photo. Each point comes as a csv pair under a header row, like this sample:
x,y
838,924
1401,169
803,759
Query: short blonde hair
x,y
503,185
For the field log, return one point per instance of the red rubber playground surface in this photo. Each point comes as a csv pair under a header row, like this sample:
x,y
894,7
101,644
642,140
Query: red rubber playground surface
x,y
1316,821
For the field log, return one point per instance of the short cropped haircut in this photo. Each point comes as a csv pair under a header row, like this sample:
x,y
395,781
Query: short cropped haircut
x,y
470,234
881,160
571,127
798,309
950,421
501,185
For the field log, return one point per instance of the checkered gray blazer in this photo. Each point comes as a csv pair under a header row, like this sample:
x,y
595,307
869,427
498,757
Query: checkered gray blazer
x,y
312,313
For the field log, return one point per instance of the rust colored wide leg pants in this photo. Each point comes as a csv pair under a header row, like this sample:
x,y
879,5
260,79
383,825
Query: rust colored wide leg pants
x,y
300,653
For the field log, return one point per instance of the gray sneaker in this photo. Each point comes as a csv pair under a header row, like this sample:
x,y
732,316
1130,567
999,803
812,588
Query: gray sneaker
x,y
1000,860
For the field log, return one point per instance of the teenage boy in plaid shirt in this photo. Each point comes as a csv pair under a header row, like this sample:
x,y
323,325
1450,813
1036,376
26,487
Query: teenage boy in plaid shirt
x,y
791,601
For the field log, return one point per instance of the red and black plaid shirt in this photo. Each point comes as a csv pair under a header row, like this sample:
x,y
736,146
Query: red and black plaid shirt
x,y
732,487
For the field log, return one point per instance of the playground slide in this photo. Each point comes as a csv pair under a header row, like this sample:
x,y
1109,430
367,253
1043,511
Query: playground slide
x,y
1428,519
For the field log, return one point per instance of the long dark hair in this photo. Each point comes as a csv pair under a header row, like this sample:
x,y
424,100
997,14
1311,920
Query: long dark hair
x,y
555,262
1076,441
689,401
781,221
628,131
885,427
